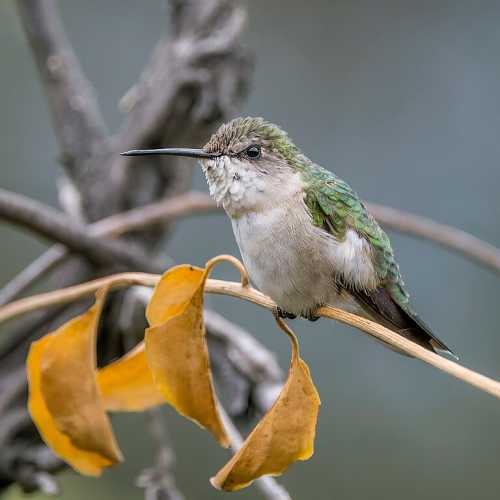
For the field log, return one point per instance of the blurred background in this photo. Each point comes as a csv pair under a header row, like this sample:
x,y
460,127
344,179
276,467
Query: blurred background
x,y
401,99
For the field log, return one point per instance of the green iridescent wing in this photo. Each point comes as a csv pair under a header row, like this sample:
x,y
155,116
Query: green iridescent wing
x,y
335,207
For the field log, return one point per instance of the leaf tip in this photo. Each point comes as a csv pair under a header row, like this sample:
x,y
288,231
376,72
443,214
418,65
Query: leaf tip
x,y
215,483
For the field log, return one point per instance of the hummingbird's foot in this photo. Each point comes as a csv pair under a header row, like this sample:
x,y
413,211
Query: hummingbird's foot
x,y
310,316
283,314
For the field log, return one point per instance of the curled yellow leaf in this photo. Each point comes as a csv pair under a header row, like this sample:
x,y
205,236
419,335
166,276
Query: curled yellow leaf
x,y
176,347
284,435
64,400
127,383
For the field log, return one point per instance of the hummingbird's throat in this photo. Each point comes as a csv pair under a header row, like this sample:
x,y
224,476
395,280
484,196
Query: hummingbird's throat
x,y
234,184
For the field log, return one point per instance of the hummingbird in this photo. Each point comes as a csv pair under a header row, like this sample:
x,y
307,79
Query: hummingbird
x,y
307,240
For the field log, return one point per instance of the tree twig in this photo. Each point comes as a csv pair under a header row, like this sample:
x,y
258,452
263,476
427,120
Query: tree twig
x,y
256,362
51,224
200,31
447,236
196,203
158,481
76,116
249,294
183,205
194,94
32,273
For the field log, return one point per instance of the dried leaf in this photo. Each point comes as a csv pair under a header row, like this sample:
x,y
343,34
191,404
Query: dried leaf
x,y
285,434
64,400
127,384
176,348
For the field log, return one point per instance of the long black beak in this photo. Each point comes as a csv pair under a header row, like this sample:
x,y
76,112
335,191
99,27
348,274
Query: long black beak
x,y
187,152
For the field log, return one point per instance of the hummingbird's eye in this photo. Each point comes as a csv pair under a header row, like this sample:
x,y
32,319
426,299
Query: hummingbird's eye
x,y
253,152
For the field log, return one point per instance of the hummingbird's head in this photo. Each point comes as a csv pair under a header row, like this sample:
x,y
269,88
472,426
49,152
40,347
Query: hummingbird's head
x,y
249,164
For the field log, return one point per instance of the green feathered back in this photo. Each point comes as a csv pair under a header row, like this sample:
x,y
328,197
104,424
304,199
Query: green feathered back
x,y
336,207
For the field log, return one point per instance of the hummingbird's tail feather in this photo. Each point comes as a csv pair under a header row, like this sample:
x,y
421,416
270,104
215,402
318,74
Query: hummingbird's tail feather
x,y
380,306
423,332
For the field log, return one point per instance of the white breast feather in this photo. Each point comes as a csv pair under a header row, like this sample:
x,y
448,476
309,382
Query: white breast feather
x,y
353,257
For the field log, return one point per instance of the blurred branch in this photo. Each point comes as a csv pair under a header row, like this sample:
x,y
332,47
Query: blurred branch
x,y
32,273
158,481
249,359
75,114
196,78
448,236
203,32
259,366
183,91
51,224
197,203
160,212
252,358
183,205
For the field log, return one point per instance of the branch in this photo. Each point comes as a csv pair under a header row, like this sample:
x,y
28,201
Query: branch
x,y
195,79
205,38
158,481
252,358
160,212
198,93
199,203
183,205
249,294
421,227
75,114
448,236
260,368
32,273
49,223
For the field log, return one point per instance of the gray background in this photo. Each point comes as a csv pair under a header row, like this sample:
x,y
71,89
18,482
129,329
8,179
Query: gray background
x,y
400,98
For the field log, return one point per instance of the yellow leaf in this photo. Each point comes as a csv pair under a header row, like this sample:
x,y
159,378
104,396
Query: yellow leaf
x,y
127,384
64,400
285,434
176,348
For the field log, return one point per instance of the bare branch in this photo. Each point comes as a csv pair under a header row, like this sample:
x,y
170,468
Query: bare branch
x,y
51,224
115,225
183,205
32,273
77,120
184,68
197,203
252,358
421,227
182,85
158,481
448,236
197,93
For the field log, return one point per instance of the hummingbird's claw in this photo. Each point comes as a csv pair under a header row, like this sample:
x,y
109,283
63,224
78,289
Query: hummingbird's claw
x,y
310,316
283,314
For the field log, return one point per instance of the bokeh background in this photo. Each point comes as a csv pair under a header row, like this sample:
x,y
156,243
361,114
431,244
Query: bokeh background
x,y
400,98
